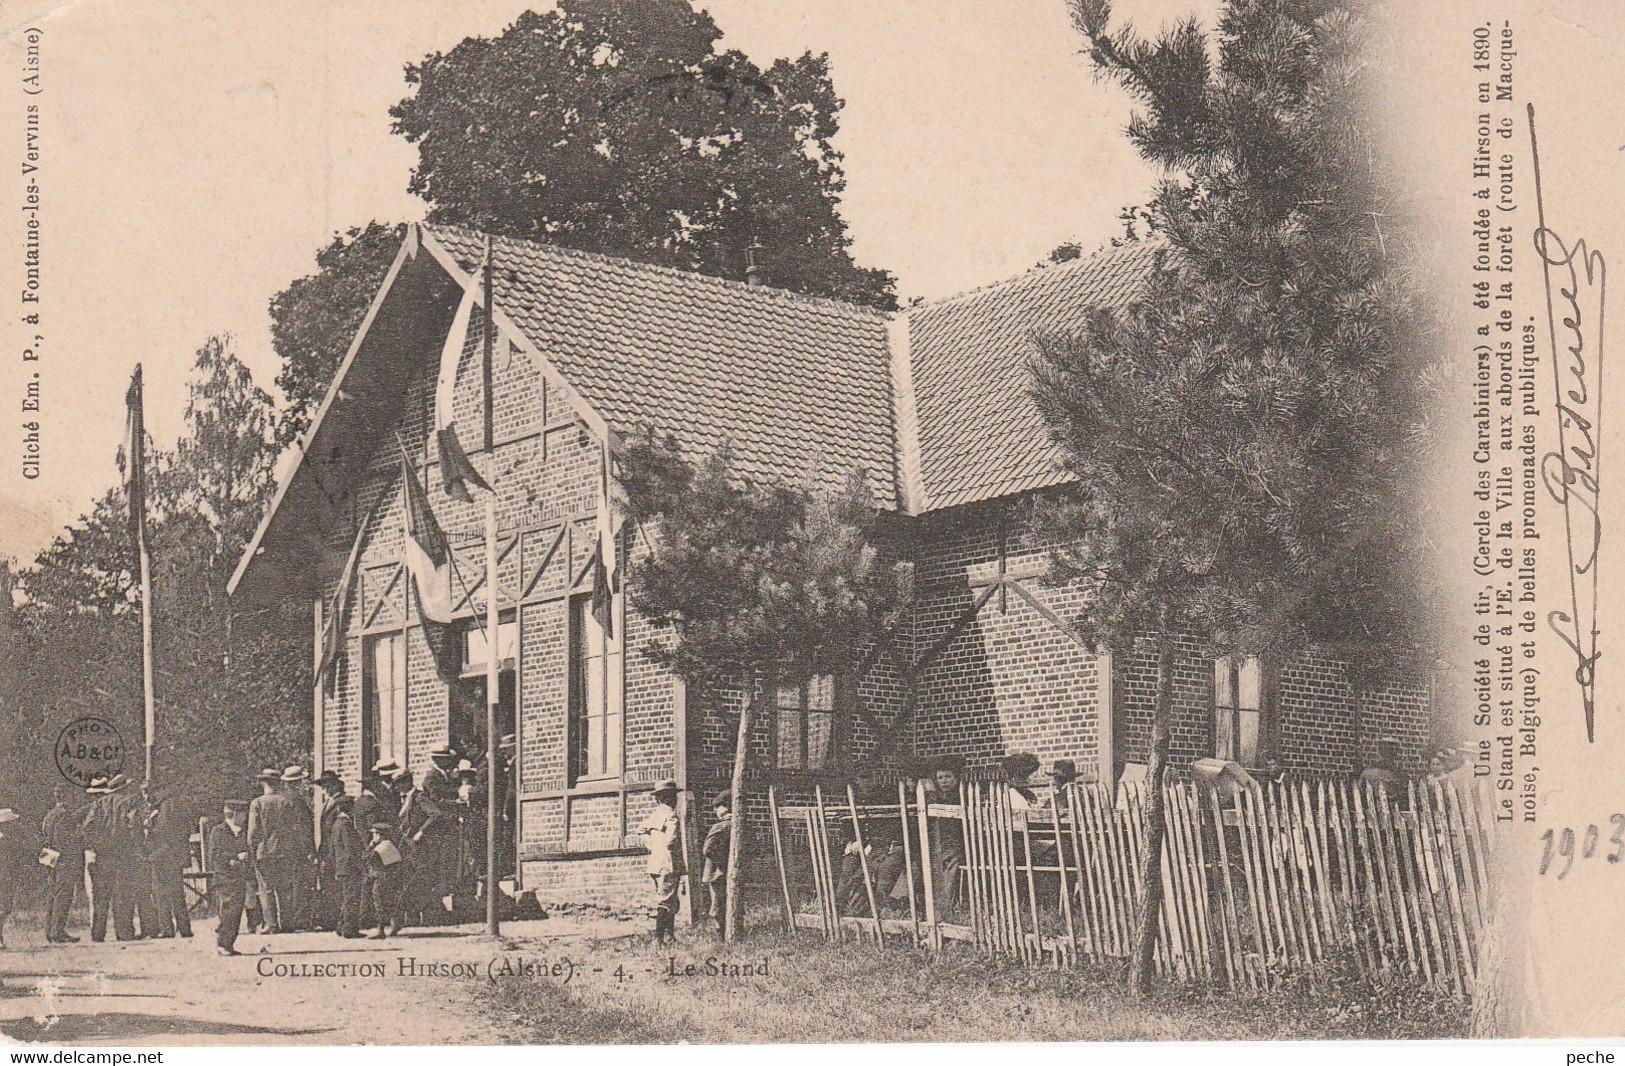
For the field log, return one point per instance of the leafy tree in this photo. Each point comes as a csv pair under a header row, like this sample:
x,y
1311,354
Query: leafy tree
x,y
759,583
314,319
636,136
90,566
613,126
1249,437
229,697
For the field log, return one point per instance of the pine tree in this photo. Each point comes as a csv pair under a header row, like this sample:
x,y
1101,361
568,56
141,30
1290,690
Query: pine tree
x,y
756,584
1249,437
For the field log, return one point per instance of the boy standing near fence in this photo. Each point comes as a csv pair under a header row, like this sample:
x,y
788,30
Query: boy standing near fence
x,y
385,870
717,841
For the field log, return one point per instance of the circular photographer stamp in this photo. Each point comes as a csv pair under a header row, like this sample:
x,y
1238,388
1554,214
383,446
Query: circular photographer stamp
x,y
88,748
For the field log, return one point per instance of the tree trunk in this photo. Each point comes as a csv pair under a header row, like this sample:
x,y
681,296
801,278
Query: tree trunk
x,y
735,911
1141,968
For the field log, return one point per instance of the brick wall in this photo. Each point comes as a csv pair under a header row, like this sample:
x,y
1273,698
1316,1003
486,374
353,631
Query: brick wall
x,y
1011,681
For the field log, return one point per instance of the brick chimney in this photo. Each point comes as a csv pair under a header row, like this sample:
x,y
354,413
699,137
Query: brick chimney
x,y
753,264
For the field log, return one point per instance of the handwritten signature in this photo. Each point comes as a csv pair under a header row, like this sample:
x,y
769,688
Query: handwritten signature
x,y
1576,279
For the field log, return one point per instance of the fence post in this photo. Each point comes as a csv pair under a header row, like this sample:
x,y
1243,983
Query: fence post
x,y
908,860
778,851
863,863
927,861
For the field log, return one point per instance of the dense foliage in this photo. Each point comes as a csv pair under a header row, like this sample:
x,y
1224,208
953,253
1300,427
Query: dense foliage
x,y
232,690
1251,435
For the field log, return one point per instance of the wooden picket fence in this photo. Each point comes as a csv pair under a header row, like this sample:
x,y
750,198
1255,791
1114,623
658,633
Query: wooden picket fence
x,y
1274,879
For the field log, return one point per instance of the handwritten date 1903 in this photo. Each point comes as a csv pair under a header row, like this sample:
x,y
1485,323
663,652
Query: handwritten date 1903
x,y
1559,844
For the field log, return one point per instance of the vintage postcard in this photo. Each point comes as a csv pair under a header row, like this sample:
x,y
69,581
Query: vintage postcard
x,y
801,521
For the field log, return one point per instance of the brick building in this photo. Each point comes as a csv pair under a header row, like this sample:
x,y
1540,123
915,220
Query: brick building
x,y
931,403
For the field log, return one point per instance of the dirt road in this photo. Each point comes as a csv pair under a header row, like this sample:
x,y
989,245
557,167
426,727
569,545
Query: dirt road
x,y
304,988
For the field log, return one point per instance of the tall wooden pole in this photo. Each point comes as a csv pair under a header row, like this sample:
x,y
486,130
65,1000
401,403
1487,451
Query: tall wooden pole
x,y
493,649
493,618
318,731
148,687
135,460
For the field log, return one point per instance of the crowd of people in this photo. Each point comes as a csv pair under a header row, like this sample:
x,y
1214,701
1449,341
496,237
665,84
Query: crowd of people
x,y
303,855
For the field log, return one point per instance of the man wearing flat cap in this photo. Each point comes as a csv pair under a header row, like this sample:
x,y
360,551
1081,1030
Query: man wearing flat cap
x,y
666,866
231,875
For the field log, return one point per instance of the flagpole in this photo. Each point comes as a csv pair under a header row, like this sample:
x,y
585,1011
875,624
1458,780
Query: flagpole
x,y
135,478
493,649
148,693
493,641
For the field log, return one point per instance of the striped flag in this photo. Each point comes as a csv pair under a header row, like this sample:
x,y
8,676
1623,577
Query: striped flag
x,y
613,508
333,625
428,553
456,470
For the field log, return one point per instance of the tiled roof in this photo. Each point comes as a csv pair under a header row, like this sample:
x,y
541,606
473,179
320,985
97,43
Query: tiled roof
x,y
980,436
800,385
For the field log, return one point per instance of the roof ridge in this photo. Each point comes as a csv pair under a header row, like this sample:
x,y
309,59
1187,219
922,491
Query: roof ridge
x,y
1100,254
657,268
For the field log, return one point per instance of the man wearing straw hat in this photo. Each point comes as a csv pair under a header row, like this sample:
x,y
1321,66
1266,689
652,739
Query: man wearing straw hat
x,y
279,837
93,830
666,866
111,824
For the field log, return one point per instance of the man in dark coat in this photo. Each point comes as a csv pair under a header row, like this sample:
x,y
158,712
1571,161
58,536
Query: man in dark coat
x,y
129,809
112,829
62,832
326,903
231,876
347,868
376,803
434,834
280,836
168,854
93,830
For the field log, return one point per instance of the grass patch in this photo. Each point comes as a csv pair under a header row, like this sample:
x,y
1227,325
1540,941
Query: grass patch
x,y
817,992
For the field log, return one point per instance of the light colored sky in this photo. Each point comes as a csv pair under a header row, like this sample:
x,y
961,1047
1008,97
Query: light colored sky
x,y
196,155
